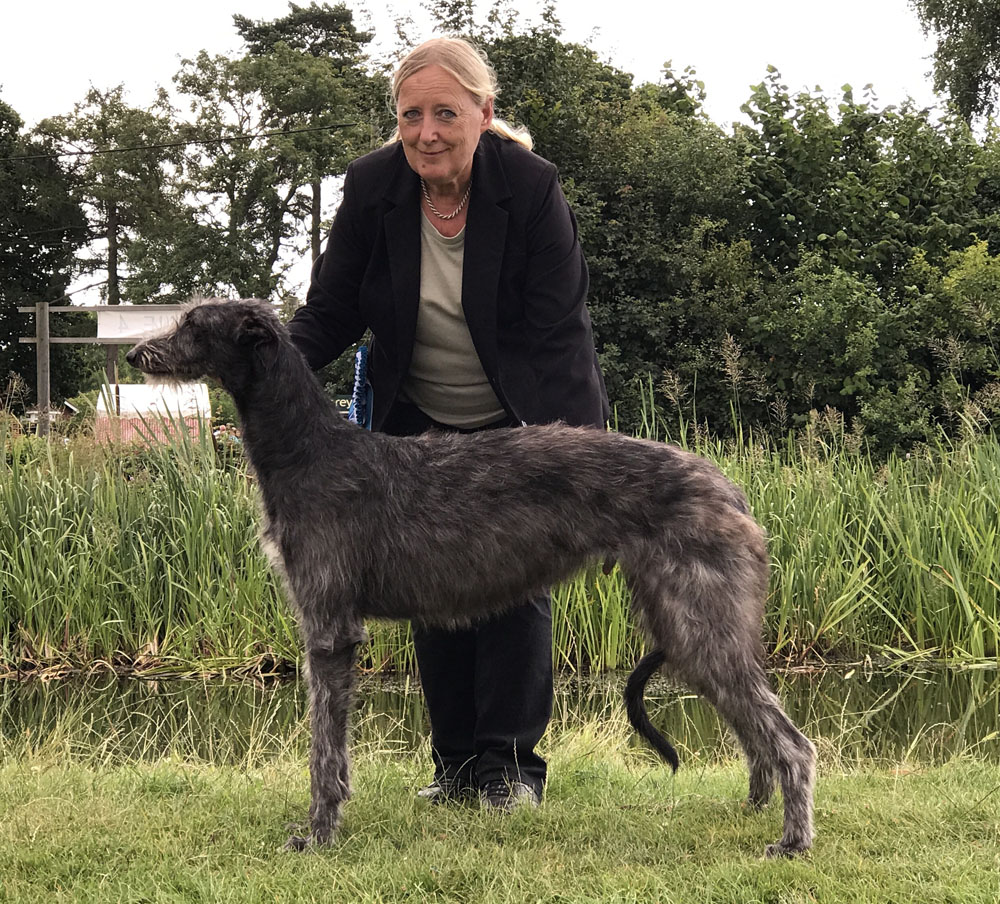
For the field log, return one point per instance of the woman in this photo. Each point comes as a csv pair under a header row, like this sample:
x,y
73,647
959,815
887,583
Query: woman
x,y
455,246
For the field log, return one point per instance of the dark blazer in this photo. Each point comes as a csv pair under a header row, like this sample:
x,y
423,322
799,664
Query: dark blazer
x,y
524,283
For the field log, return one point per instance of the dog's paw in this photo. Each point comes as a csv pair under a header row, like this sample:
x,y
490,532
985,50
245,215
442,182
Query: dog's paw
x,y
781,850
314,840
756,804
297,843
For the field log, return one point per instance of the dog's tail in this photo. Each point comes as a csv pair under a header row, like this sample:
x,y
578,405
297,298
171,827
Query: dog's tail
x,y
636,707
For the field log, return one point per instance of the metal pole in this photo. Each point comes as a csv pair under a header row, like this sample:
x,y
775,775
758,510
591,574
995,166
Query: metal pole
x,y
42,365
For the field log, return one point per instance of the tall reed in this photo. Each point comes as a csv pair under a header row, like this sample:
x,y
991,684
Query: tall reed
x,y
148,559
144,557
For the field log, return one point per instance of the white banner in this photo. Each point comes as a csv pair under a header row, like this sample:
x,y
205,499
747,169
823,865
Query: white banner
x,y
134,321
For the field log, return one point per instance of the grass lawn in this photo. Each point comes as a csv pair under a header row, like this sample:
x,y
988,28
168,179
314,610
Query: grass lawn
x,y
615,827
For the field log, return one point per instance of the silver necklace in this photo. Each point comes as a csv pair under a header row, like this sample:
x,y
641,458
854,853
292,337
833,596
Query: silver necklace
x,y
455,212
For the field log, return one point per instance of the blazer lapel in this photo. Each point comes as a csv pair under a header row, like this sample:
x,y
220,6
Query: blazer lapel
x,y
485,238
402,239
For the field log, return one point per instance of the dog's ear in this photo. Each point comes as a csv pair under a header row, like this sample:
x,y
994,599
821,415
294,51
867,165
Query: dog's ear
x,y
257,327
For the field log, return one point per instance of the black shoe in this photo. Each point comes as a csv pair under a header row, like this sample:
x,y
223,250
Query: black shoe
x,y
504,796
443,791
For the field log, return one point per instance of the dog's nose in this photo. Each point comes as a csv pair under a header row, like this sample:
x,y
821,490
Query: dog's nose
x,y
131,356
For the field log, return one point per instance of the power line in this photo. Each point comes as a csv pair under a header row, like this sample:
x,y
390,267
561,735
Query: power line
x,y
180,144
34,232
69,295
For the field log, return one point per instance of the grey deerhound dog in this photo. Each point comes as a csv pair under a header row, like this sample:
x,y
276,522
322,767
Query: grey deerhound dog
x,y
446,529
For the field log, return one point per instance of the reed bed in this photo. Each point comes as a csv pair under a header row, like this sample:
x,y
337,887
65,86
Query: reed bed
x,y
146,559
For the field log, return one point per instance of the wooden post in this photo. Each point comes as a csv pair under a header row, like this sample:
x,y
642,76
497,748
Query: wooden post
x,y
42,366
114,291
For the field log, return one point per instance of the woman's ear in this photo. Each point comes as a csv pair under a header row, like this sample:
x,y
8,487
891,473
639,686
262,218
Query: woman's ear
x,y
487,111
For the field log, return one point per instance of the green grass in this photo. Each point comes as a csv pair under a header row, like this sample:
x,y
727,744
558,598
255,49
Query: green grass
x,y
148,561
83,826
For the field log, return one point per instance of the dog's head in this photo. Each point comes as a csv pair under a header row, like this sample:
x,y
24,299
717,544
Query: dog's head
x,y
226,340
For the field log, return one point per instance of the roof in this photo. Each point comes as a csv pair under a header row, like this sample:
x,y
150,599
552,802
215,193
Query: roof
x,y
151,411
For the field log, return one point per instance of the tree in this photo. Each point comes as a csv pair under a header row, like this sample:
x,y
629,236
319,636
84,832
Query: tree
x,y
122,161
453,17
318,30
670,269
856,215
245,184
656,190
269,126
560,91
967,58
864,187
42,226
296,55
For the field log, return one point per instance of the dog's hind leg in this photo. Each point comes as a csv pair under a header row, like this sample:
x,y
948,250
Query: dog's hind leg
x,y
710,640
774,748
331,677
762,779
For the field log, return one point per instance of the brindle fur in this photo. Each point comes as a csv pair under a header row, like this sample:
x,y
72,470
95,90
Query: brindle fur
x,y
446,529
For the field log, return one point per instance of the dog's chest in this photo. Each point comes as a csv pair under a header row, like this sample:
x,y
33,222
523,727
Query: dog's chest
x,y
269,544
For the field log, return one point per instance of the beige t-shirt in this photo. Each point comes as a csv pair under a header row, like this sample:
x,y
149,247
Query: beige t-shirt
x,y
446,379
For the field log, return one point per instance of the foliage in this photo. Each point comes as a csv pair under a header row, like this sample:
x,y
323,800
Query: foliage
x,y
825,254
42,226
560,91
85,404
854,218
865,186
223,408
295,57
653,184
317,30
249,192
669,274
270,125
967,58
122,160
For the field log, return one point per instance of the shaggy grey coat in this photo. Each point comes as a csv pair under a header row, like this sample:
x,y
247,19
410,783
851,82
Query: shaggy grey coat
x,y
446,529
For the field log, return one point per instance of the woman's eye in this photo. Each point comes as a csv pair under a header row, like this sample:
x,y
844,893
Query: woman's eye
x,y
447,114
411,114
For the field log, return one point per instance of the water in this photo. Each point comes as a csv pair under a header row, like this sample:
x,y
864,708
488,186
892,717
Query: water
x,y
927,715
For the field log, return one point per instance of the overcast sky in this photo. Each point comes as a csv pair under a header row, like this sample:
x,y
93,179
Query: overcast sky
x,y
52,50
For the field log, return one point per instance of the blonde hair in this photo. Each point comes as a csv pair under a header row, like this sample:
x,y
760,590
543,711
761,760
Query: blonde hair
x,y
469,67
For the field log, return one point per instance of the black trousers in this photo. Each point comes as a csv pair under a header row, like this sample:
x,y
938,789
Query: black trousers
x,y
489,687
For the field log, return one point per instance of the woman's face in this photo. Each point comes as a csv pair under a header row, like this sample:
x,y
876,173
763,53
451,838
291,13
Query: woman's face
x,y
440,124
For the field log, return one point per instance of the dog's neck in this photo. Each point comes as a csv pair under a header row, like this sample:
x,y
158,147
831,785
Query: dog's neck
x,y
270,405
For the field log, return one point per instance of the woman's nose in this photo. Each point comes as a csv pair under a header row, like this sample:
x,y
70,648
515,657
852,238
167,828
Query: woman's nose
x,y
428,130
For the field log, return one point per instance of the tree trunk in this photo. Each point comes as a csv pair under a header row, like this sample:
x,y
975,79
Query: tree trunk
x,y
317,189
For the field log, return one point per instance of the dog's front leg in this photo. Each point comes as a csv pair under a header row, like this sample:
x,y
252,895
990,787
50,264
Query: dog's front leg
x,y
331,678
